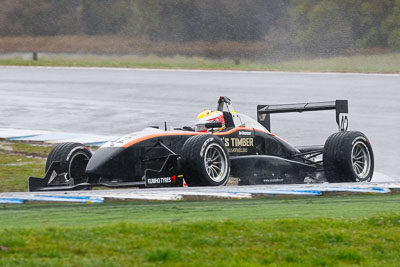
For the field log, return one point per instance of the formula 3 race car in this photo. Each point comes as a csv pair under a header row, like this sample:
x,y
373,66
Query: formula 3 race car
x,y
223,144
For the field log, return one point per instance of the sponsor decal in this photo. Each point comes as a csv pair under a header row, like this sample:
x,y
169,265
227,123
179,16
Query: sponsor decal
x,y
226,141
205,145
174,181
237,149
276,180
120,141
245,133
239,142
161,180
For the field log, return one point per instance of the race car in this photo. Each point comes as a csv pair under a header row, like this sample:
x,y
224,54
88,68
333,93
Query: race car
x,y
222,144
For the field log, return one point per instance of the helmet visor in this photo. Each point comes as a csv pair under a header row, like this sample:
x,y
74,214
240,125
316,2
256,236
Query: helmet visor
x,y
200,127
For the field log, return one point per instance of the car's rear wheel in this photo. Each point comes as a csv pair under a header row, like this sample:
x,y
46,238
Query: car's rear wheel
x,y
73,158
348,157
205,161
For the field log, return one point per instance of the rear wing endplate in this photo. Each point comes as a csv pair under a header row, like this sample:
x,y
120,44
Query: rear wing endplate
x,y
341,106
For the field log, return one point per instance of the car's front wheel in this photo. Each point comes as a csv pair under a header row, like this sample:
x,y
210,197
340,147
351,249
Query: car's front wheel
x,y
205,161
73,158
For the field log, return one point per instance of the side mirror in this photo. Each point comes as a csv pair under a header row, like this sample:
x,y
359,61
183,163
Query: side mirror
x,y
214,124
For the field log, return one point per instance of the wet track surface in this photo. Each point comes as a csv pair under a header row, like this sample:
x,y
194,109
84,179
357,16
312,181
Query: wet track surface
x,y
118,101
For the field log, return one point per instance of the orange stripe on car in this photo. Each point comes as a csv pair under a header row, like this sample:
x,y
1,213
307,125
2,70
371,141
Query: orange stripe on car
x,y
147,137
150,136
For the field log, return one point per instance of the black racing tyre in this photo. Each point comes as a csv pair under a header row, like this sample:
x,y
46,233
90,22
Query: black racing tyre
x,y
348,157
73,158
205,161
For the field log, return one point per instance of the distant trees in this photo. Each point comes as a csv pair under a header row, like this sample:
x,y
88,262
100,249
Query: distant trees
x,y
330,27
391,27
39,17
171,20
320,27
105,16
307,26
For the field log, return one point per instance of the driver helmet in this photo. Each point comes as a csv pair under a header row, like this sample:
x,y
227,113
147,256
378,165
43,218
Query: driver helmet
x,y
209,116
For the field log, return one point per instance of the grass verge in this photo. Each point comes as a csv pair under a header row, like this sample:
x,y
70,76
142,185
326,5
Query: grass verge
x,y
18,161
307,231
383,63
71,215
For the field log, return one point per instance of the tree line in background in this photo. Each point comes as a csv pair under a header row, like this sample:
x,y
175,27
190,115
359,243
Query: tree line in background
x,y
317,27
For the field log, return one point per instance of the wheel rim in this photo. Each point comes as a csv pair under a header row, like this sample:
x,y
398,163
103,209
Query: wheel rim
x,y
361,159
77,167
216,163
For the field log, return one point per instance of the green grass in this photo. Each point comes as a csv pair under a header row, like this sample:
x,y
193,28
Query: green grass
x,y
68,215
385,63
322,242
41,150
15,170
382,63
18,161
331,231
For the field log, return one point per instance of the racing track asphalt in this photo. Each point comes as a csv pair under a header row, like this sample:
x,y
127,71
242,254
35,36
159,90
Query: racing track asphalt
x,y
119,101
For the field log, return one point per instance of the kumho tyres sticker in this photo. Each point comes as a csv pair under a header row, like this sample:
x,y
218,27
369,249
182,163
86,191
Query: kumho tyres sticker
x,y
161,180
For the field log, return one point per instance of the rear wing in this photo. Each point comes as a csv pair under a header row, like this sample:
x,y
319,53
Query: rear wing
x,y
341,106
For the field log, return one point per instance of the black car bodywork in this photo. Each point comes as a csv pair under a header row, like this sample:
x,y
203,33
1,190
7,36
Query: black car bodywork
x,y
155,158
